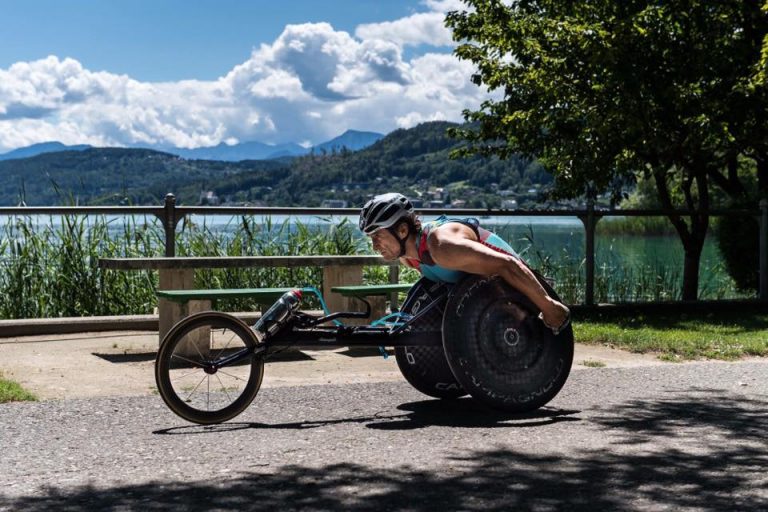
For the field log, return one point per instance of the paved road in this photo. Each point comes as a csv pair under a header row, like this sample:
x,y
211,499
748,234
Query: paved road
x,y
672,437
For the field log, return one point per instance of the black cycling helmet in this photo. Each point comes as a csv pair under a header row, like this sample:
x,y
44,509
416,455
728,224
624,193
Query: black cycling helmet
x,y
384,211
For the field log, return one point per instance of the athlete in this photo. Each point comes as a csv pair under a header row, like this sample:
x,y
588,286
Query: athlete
x,y
446,249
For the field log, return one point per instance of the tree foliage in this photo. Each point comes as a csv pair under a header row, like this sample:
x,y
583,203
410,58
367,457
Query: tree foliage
x,y
597,89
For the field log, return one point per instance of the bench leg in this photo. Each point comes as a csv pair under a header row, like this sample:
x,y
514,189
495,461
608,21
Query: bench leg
x,y
349,275
198,342
170,312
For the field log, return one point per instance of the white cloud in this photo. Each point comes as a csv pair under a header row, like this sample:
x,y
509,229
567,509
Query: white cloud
x,y
310,84
422,28
445,5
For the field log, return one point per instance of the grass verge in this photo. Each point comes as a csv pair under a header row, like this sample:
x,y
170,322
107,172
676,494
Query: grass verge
x,y
11,391
680,336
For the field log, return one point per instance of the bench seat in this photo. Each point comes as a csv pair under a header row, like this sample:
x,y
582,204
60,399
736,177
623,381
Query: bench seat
x,y
371,290
260,295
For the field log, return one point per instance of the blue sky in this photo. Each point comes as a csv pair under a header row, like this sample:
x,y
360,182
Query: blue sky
x,y
200,72
159,40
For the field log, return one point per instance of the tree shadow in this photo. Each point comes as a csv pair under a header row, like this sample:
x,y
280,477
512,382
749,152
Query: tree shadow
x,y
725,471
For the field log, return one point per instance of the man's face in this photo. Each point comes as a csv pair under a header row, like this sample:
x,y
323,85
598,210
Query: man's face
x,y
385,244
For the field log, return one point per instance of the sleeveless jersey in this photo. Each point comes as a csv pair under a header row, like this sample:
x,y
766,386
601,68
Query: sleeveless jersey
x,y
427,266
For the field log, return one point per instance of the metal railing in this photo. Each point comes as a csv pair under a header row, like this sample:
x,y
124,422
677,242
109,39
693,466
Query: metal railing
x,y
170,215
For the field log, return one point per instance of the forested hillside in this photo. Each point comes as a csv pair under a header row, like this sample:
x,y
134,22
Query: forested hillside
x,y
411,161
111,176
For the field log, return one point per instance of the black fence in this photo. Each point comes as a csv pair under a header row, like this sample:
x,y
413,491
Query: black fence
x,y
170,215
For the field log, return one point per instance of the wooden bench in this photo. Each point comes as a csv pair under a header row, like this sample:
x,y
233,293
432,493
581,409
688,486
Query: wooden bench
x,y
264,296
371,290
177,273
378,292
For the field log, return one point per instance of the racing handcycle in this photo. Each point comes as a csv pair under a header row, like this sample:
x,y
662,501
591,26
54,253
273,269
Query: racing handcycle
x,y
479,337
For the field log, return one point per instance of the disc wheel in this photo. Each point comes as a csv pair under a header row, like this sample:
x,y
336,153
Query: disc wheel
x,y
425,367
197,374
499,350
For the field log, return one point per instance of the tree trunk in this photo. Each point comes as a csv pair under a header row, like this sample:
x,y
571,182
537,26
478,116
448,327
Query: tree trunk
x,y
762,175
692,238
691,273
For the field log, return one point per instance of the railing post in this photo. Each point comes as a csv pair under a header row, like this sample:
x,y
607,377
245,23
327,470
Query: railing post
x,y
169,225
589,227
763,290
590,221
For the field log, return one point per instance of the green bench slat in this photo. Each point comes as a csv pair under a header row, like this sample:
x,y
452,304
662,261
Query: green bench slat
x,y
269,295
366,290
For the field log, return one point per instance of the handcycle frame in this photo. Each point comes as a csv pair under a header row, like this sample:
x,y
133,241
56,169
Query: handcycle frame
x,y
455,350
312,333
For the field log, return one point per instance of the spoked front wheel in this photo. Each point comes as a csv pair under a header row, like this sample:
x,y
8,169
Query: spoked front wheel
x,y
206,370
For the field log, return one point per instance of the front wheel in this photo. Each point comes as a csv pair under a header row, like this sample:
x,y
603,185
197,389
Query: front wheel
x,y
206,370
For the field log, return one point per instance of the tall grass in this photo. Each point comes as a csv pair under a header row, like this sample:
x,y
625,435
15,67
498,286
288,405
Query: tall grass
x,y
617,280
49,266
640,226
50,269
264,237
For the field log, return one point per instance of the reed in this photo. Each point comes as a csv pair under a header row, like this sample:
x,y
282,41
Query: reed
x,y
640,226
48,266
617,280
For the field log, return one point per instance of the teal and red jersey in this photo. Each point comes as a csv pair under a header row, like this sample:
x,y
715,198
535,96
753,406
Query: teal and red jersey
x,y
427,266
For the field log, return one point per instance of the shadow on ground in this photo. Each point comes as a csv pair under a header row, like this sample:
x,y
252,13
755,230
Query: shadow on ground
x,y
725,471
461,413
283,356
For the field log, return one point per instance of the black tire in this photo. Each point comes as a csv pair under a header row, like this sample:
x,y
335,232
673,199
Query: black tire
x,y
218,394
425,367
499,350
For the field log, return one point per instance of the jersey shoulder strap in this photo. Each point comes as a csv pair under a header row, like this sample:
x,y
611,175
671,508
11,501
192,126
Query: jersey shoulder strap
x,y
424,255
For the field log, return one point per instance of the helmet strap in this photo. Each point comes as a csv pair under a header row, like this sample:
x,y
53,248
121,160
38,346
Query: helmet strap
x,y
401,240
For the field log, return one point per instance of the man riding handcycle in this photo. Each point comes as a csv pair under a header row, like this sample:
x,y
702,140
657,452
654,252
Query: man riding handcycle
x,y
478,322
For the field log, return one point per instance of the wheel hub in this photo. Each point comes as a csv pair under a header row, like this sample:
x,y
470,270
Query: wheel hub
x,y
511,336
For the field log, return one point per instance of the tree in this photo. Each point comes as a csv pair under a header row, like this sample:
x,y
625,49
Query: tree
x,y
599,89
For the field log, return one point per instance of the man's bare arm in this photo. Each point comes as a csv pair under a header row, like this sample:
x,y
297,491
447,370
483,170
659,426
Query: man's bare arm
x,y
455,246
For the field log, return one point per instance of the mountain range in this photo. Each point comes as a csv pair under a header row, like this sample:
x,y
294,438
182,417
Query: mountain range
x,y
413,161
351,140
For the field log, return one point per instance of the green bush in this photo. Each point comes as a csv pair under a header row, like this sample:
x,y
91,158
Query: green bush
x,y
738,238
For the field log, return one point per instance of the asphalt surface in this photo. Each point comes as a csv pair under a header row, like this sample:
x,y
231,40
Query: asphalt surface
x,y
665,437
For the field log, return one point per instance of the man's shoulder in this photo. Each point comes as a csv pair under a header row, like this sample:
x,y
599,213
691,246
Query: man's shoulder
x,y
450,229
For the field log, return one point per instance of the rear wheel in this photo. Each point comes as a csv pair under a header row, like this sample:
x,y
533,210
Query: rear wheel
x,y
425,367
198,373
499,350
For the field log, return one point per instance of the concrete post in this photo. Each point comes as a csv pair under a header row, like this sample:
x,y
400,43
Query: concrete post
x,y
169,225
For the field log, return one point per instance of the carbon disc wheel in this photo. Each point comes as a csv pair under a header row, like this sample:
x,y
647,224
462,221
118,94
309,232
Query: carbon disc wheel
x,y
425,367
499,350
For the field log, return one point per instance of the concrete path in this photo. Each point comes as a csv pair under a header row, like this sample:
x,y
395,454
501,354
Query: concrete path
x,y
629,436
121,364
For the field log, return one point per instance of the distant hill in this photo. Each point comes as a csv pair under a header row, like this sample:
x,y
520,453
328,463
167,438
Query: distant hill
x,y
38,149
237,152
113,176
407,160
351,140
411,161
